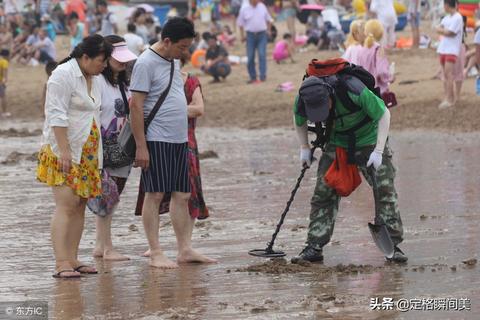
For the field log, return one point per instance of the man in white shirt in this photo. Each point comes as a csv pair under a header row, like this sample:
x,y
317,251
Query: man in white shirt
x,y
451,31
255,20
384,11
134,42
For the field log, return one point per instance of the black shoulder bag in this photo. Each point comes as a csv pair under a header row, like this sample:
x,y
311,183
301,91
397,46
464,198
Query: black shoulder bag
x,y
125,137
113,155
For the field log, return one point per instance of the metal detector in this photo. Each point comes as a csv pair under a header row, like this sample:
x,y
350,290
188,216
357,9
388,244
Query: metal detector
x,y
268,252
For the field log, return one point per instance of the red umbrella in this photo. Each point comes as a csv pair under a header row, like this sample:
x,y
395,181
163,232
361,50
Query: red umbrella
x,y
312,7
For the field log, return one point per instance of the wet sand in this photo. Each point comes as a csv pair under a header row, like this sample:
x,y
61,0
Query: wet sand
x,y
246,188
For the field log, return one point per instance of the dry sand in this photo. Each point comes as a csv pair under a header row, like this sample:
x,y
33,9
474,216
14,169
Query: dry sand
x,y
236,104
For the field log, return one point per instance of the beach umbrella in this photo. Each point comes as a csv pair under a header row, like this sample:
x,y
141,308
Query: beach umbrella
x,y
306,9
146,7
312,7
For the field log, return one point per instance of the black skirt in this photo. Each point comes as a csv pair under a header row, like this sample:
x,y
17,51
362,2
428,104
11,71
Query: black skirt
x,y
168,169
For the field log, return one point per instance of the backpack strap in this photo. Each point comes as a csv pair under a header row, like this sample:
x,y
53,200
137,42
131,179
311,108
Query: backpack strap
x,y
347,84
352,139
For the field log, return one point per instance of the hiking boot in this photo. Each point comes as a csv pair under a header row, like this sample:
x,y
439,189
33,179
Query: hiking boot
x,y
398,256
309,254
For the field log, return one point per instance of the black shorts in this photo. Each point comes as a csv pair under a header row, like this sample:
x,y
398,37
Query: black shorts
x,y
168,169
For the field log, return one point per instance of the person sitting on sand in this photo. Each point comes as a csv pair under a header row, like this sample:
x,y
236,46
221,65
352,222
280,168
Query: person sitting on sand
x,y
227,38
217,64
283,49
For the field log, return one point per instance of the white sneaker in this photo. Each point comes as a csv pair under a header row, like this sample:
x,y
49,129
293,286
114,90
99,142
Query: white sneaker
x,y
445,104
473,72
33,62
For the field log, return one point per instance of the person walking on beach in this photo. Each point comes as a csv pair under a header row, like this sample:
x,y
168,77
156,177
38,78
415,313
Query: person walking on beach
x,y
162,152
71,155
114,109
256,22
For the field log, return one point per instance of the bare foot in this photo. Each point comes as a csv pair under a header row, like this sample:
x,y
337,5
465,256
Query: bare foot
x,y
113,255
159,260
192,256
146,253
97,253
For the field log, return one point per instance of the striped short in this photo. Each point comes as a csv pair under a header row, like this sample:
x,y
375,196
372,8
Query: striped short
x,y
168,169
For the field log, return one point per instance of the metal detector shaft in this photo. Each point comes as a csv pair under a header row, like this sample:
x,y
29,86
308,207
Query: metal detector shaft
x,y
289,202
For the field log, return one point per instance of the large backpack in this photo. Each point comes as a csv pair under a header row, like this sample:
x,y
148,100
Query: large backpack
x,y
336,73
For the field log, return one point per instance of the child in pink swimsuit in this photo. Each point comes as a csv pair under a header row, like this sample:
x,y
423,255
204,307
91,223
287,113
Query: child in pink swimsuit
x,y
283,49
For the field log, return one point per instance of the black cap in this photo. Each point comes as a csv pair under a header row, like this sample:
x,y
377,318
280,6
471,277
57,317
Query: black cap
x,y
315,95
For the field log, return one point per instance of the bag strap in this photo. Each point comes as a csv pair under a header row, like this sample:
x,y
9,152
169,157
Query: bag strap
x,y
161,99
124,97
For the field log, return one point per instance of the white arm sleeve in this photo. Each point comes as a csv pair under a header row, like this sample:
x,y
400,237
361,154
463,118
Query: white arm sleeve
x,y
382,133
302,133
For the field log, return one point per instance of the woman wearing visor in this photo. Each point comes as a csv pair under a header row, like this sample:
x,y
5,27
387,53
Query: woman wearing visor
x,y
113,115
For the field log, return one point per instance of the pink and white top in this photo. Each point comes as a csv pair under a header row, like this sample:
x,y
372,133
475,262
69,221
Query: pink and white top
x,y
280,52
351,54
375,61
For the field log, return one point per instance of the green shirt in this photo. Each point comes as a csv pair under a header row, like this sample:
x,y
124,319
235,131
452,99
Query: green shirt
x,y
369,104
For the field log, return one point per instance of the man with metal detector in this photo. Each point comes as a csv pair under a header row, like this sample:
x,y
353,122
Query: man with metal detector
x,y
352,123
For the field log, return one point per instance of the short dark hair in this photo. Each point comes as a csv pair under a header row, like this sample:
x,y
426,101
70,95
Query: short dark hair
x,y
451,3
131,27
5,53
50,66
102,3
206,35
287,36
178,28
73,15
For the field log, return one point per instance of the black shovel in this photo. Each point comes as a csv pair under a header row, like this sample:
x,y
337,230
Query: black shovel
x,y
379,230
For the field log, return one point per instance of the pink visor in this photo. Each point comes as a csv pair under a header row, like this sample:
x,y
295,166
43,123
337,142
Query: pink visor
x,y
121,53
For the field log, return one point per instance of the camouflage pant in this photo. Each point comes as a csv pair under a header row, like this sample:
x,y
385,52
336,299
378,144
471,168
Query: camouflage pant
x,y
324,203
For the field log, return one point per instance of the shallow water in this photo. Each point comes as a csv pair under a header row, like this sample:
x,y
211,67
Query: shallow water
x,y
246,188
